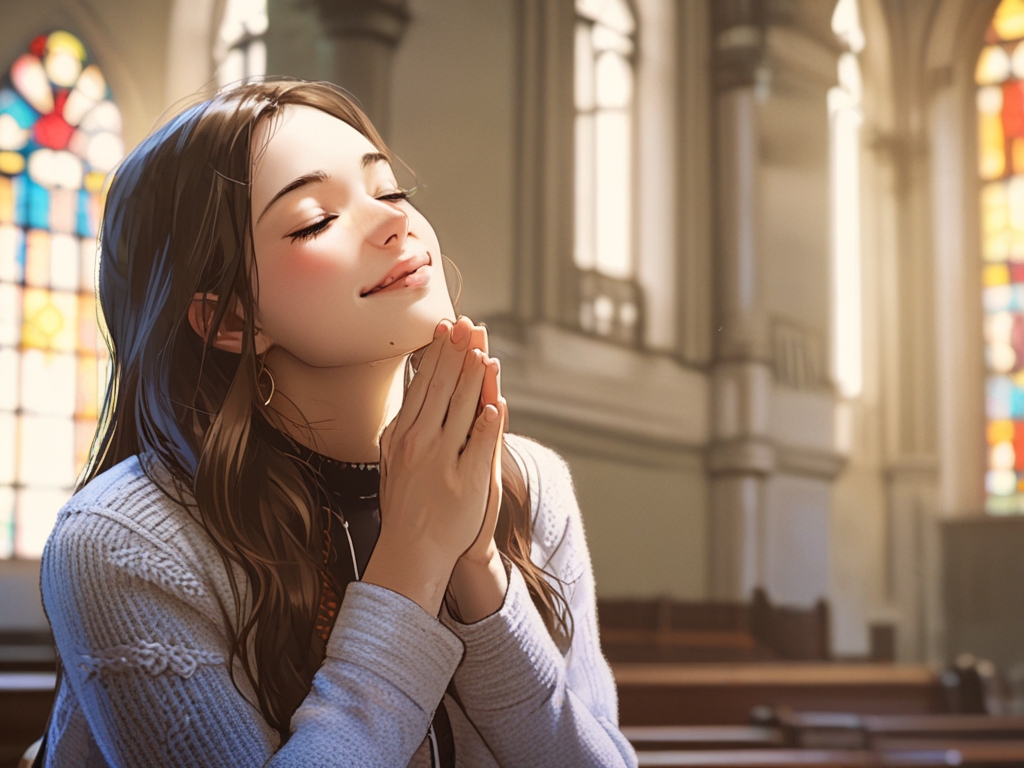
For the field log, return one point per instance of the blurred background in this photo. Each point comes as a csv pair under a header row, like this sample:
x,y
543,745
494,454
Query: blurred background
x,y
755,268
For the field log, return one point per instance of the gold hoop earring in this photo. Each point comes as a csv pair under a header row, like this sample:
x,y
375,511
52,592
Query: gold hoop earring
x,y
273,385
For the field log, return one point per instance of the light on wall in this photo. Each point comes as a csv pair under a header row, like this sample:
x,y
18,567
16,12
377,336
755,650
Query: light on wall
x,y
845,118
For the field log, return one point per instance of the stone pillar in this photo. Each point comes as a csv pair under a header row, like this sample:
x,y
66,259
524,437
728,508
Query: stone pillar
x,y
357,41
741,453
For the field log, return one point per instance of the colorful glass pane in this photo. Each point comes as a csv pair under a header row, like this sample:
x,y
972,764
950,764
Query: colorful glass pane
x,y
1008,21
85,431
35,513
6,201
46,451
86,391
11,258
9,370
10,314
49,321
8,439
37,204
37,258
48,383
64,211
64,262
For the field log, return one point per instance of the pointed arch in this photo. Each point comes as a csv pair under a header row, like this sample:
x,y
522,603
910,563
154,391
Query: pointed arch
x,y
60,135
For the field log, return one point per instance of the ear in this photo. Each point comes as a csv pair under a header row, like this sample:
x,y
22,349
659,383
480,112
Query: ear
x,y
229,335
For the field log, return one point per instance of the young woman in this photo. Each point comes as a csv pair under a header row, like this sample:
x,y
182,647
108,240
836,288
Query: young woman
x,y
266,284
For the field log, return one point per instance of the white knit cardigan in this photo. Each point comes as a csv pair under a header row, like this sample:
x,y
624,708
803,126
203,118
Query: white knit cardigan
x,y
132,587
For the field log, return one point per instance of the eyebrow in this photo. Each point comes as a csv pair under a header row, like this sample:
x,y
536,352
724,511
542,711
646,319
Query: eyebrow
x,y
315,176
375,157
303,180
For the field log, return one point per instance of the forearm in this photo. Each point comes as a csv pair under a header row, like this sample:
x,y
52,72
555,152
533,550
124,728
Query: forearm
x,y
411,569
514,686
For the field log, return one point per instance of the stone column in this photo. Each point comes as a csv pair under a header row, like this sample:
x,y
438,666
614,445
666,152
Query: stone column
x,y
356,44
740,454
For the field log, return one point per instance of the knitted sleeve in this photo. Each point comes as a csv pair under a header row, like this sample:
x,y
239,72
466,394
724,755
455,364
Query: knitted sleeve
x,y
532,705
147,661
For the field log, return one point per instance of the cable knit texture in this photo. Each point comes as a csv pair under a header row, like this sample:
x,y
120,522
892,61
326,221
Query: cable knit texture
x,y
135,593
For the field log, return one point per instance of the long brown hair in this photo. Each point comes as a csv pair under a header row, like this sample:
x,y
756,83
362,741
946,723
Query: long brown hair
x,y
178,222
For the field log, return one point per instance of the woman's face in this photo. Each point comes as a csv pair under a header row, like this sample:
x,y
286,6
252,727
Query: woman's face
x,y
331,225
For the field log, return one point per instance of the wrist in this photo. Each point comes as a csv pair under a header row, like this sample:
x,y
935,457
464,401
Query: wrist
x,y
411,569
476,559
478,586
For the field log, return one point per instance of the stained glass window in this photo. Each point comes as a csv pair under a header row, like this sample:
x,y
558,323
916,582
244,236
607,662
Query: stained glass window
x,y
240,50
60,135
605,48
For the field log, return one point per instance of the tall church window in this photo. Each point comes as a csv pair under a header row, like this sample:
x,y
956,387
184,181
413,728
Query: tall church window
x,y
240,50
845,117
1000,104
60,135
609,297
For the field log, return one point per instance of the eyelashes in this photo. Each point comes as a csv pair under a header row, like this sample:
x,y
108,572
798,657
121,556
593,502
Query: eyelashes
x,y
320,225
313,229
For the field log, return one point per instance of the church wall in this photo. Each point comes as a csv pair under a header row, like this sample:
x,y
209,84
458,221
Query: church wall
x,y
645,524
453,96
796,539
795,204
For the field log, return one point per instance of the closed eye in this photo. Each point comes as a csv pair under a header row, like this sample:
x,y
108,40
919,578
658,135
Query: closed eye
x,y
401,194
313,229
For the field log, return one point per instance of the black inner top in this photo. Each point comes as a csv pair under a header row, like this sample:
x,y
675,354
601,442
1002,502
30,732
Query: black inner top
x,y
353,496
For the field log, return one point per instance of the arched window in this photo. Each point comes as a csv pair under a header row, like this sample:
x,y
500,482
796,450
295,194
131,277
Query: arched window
x,y
1000,101
239,50
609,298
60,135
845,117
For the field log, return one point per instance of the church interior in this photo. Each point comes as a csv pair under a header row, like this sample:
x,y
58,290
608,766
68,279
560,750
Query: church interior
x,y
748,267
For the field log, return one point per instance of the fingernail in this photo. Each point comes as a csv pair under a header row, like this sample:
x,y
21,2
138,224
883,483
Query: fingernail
x,y
490,412
441,329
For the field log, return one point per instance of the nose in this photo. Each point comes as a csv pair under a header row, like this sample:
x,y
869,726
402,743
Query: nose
x,y
389,225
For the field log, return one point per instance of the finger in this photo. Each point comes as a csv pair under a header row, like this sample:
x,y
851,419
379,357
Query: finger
x,y
483,440
496,461
462,407
445,377
479,338
416,393
489,392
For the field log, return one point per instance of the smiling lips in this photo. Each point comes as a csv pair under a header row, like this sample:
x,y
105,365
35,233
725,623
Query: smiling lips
x,y
407,273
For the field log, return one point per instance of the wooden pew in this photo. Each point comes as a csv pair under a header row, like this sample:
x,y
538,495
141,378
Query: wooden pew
x,y
835,730
970,753
725,694
661,630
758,758
706,737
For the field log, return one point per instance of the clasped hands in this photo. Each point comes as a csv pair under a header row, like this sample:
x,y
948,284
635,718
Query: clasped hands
x,y
440,488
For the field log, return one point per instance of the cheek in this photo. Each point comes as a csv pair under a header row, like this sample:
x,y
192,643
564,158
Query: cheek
x,y
301,281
